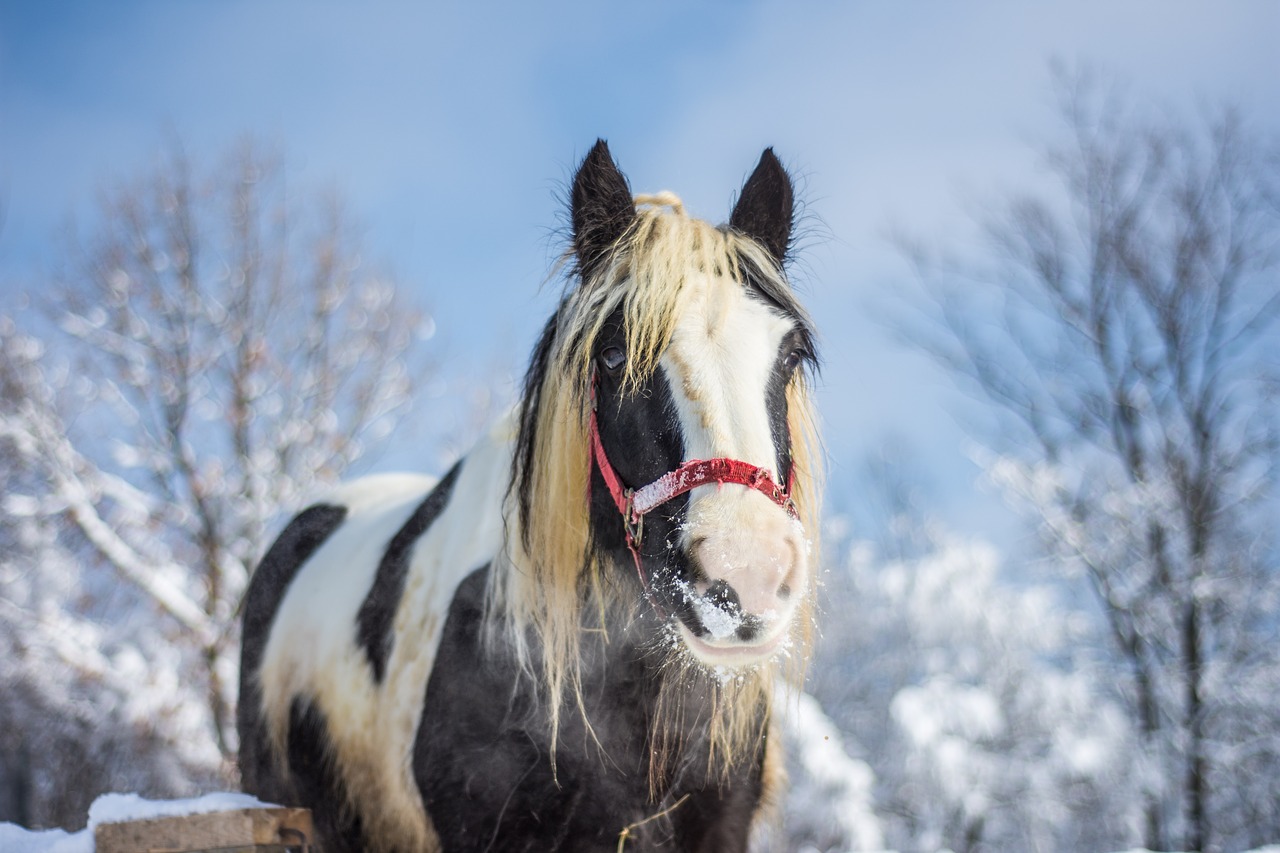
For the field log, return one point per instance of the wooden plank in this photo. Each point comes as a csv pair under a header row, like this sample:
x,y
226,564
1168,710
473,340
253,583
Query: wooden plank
x,y
212,831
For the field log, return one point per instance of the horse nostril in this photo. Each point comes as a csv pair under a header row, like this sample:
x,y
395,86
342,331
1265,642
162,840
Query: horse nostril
x,y
724,597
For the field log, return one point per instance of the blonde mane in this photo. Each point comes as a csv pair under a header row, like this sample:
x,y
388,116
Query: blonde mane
x,y
551,584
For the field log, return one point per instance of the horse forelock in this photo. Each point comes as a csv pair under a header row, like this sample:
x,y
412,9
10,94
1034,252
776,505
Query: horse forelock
x,y
552,587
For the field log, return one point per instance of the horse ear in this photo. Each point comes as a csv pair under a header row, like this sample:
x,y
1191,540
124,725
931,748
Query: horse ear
x,y
766,206
602,207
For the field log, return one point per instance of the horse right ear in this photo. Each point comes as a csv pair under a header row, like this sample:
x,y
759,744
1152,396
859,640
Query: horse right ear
x,y
766,209
602,208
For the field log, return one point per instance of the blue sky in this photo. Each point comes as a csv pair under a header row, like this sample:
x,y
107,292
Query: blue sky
x,y
452,128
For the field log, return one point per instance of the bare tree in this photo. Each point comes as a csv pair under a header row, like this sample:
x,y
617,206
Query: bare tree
x,y
1125,328
224,350
986,726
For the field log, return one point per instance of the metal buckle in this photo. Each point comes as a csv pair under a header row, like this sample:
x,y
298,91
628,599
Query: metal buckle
x,y
631,520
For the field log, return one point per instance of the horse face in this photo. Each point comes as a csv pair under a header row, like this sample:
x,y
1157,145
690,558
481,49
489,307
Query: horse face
x,y
729,566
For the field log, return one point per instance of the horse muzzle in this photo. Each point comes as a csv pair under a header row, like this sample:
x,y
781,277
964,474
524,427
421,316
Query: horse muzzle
x,y
750,570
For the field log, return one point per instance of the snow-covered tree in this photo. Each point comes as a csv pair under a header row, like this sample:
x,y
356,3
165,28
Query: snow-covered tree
x,y
1238,691
216,349
975,698
93,694
1124,327
830,802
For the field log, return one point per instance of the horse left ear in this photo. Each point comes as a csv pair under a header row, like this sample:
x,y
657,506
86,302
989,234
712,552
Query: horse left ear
x,y
602,208
766,206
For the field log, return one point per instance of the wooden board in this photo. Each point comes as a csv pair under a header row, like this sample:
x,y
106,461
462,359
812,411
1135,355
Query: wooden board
x,y
239,828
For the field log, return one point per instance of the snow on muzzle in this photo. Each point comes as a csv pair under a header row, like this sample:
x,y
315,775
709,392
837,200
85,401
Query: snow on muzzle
x,y
751,572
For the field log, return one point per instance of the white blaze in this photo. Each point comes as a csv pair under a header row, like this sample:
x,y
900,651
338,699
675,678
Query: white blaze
x,y
719,364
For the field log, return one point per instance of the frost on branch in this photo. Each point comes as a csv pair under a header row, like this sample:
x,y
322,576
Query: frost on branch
x,y
829,807
974,699
218,349
1121,322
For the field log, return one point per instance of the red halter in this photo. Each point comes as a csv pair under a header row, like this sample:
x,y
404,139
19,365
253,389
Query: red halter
x,y
635,504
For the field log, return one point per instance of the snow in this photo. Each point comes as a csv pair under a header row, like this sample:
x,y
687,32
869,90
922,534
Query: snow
x,y
15,839
117,808
722,624
830,803
816,742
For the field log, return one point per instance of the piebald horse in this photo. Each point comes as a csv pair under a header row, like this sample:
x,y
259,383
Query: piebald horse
x,y
571,640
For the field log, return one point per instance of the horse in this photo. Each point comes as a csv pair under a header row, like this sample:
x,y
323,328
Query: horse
x,y
571,641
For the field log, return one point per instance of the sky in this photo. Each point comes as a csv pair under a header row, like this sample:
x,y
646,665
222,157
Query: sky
x,y
452,130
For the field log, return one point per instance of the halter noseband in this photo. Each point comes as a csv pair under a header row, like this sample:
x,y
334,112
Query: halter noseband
x,y
635,504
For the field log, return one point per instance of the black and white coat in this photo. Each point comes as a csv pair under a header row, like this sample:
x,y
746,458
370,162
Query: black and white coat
x,y
424,667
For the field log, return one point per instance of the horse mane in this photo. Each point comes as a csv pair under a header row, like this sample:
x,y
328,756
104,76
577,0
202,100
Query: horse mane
x,y
550,583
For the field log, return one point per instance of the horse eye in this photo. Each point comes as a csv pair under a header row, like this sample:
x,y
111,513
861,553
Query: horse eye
x,y
793,359
613,358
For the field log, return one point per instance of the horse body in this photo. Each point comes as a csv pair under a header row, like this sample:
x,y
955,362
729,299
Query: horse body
x,y
318,647
507,659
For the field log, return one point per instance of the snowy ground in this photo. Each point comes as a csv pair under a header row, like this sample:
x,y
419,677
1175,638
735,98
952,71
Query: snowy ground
x,y
113,808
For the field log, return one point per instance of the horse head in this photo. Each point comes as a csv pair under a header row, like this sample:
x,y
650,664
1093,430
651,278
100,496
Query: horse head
x,y
669,394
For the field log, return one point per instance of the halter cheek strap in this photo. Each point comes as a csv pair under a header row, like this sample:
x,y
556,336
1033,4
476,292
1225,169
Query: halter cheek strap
x,y
635,504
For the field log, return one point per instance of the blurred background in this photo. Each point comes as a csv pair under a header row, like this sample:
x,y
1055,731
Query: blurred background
x,y
249,248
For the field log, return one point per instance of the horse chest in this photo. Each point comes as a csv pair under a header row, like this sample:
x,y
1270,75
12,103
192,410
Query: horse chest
x,y
482,760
